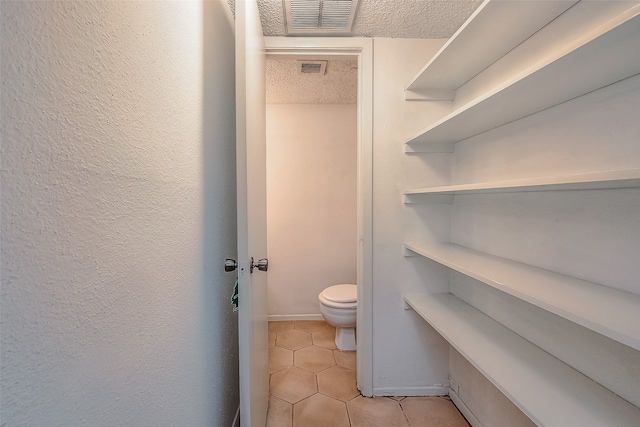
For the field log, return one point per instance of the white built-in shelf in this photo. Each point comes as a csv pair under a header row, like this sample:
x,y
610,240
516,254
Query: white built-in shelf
x,y
481,41
578,68
607,311
582,181
548,391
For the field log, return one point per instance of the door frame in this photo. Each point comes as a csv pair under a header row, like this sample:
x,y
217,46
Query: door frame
x,y
362,49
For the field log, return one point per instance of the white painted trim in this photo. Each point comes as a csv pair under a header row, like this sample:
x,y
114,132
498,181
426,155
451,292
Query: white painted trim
x,y
285,317
412,391
365,219
236,419
316,45
464,409
362,48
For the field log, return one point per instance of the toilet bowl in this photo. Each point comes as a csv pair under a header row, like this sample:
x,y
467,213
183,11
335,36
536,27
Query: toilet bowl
x,y
338,307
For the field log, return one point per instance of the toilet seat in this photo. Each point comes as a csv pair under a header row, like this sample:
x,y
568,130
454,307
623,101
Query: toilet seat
x,y
340,296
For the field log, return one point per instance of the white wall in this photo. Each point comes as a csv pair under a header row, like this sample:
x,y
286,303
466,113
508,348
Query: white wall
x,y
311,203
409,357
118,209
488,406
593,235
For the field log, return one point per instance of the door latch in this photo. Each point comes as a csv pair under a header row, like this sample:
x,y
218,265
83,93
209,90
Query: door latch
x,y
262,265
230,264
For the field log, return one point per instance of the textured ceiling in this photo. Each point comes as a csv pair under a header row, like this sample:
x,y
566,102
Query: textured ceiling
x,y
374,18
388,18
285,86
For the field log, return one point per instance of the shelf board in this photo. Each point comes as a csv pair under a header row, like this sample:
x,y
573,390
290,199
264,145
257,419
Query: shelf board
x,y
582,181
481,41
579,68
607,311
548,391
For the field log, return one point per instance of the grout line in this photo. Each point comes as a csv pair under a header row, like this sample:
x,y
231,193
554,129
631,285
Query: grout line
x,y
346,407
402,409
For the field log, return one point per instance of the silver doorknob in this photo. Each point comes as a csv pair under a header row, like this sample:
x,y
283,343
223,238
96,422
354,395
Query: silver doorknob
x,y
262,264
230,264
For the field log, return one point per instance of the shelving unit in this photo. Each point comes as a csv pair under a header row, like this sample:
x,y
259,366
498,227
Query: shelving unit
x,y
548,83
604,51
480,41
583,181
585,303
548,391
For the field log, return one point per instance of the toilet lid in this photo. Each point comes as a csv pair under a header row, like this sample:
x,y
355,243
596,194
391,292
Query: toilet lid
x,y
341,293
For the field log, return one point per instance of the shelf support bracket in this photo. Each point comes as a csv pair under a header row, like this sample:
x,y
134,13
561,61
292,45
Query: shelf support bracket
x,y
445,147
429,95
444,199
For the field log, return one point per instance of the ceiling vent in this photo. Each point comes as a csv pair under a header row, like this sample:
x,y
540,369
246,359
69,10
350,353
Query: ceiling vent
x,y
312,67
319,16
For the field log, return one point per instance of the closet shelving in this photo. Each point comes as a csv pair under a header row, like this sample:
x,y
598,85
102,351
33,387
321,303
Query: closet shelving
x,y
459,59
548,391
582,181
548,83
585,303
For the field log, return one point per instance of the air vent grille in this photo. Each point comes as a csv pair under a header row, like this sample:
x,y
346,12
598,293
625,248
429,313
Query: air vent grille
x,y
312,67
319,16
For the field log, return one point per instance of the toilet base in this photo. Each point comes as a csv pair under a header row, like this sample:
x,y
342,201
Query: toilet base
x,y
346,339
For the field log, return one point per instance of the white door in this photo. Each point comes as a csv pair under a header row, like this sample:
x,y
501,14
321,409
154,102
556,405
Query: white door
x,y
252,211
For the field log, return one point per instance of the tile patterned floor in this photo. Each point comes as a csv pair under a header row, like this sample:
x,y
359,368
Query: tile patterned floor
x,y
313,384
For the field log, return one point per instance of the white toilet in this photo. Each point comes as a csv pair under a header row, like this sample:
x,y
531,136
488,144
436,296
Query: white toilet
x,y
338,307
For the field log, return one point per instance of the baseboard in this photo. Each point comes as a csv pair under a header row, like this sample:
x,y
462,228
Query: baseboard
x,y
411,391
464,410
236,419
283,317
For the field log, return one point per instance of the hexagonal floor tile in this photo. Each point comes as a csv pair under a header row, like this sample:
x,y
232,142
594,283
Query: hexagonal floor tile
x,y
314,358
279,359
338,382
293,384
345,358
320,411
293,340
432,411
280,413
378,411
325,338
311,325
283,326
272,339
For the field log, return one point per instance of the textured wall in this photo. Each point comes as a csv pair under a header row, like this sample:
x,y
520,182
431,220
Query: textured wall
x,y
117,209
339,85
311,203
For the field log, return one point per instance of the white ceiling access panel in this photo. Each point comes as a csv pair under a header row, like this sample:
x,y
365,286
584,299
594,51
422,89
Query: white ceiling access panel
x,y
319,16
